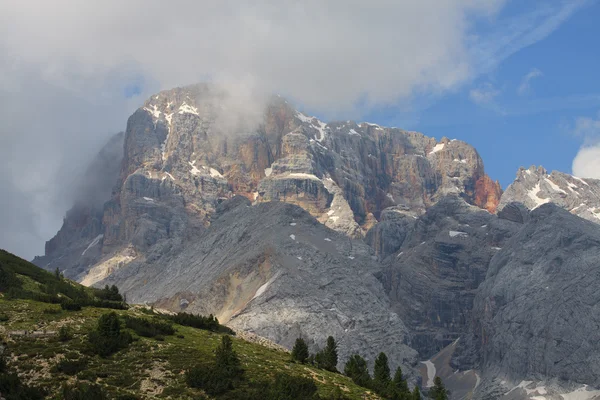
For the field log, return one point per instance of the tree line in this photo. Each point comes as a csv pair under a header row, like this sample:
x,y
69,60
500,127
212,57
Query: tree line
x,y
382,383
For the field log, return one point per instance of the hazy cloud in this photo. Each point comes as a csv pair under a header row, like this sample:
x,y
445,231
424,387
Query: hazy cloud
x,y
66,67
525,86
484,94
586,163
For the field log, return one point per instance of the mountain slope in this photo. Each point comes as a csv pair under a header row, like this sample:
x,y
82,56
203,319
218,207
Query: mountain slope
x,y
147,368
275,270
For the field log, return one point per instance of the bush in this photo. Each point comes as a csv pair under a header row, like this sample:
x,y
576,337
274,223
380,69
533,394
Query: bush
x,y
210,323
72,367
51,310
288,387
149,328
4,318
108,338
70,305
83,391
64,334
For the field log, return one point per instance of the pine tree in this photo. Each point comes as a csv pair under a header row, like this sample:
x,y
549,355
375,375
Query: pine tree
x,y
438,392
57,273
330,356
399,384
356,369
226,360
300,351
381,371
416,394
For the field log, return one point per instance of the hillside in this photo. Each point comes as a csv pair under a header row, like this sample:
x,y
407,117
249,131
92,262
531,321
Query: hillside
x,y
148,368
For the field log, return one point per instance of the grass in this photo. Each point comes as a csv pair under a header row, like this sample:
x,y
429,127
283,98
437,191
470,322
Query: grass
x,y
151,367
148,368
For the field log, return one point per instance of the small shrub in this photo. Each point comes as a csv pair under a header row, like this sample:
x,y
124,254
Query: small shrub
x,y
51,310
210,323
287,387
4,318
70,305
64,334
72,367
83,391
149,328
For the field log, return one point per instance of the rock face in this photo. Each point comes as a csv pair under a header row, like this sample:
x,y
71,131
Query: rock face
x,y
537,313
433,277
272,269
187,149
534,187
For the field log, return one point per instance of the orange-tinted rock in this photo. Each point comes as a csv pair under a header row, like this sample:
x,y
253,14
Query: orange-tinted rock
x,y
487,193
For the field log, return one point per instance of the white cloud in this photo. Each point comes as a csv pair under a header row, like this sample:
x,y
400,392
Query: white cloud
x,y
64,65
484,94
586,163
525,86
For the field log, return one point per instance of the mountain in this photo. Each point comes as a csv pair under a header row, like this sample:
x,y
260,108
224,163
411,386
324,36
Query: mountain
x,y
286,226
534,187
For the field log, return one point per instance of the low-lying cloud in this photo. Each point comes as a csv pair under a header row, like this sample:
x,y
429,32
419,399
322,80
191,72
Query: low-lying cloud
x,y
586,163
66,67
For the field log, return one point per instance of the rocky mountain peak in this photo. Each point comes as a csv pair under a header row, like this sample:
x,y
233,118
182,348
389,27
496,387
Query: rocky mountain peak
x,y
534,187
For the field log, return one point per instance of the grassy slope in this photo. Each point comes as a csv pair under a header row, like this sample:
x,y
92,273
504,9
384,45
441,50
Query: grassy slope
x,y
148,368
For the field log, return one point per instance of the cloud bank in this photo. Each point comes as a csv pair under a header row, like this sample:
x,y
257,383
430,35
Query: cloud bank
x,y
68,69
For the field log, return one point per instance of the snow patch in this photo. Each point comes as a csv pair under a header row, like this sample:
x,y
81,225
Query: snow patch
x,y
533,195
437,148
581,180
194,171
268,171
293,224
458,234
154,111
299,258
334,218
330,212
327,240
351,257
581,394
353,132
301,175
215,174
389,196
496,248
554,186
293,237
185,108
170,176
149,199
430,372
264,287
93,243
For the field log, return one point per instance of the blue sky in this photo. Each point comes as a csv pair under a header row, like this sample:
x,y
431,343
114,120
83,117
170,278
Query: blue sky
x,y
513,124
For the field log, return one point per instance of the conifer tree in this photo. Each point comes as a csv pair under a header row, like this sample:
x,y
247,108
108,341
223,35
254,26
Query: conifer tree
x,y
300,351
416,393
399,384
381,371
438,391
330,356
356,369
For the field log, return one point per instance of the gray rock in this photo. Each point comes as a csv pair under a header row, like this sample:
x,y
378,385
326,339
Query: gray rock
x,y
536,315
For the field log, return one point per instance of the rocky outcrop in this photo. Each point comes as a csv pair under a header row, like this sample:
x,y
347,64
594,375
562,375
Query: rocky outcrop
x,y
433,278
536,314
534,187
